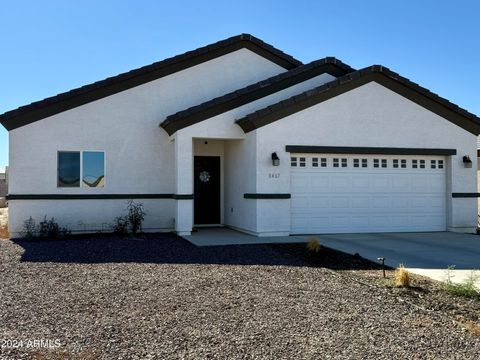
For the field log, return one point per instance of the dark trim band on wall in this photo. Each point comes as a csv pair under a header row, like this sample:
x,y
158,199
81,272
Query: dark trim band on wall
x,y
465,195
183,196
96,196
367,150
266,196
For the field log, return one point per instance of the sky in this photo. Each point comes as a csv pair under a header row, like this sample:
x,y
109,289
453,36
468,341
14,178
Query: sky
x,y
50,46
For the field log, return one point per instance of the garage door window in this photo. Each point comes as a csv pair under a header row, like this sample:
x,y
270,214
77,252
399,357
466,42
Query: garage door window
x,y
323,162
440,164
293,161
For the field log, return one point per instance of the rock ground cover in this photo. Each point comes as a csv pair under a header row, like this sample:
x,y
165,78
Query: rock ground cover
x,y
160,297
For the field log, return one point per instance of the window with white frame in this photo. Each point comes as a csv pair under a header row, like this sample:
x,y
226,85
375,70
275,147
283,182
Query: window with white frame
x,y
293,161
80,168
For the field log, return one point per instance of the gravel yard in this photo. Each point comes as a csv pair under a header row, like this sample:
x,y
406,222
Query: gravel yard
x,y
161,297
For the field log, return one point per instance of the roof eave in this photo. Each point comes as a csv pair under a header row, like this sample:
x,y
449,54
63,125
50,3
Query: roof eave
x,y
376,73
80,96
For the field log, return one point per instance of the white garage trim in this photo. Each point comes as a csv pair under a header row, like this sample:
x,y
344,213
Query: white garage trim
x,y
367,193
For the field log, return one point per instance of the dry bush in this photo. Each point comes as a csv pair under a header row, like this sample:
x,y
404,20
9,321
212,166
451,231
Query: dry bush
x,y
471,326
313,245
4,232
402,277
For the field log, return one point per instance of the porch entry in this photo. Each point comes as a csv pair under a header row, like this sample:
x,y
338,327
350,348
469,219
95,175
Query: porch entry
x,y
207,190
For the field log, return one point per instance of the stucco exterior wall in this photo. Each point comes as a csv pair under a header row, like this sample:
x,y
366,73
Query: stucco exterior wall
x,y
139,156
369,116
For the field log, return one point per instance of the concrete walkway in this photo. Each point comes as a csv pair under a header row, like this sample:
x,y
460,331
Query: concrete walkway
x,y
224,236
428,254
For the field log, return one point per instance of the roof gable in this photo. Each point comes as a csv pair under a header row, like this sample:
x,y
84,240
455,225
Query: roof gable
x,y
253,92
377,73
68,100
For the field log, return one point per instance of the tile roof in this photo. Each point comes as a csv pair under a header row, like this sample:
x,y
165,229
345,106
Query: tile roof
x,y
250,93
53,105
377,73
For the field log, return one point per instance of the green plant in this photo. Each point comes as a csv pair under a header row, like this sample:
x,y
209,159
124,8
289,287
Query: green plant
x,y
48,228
466,288
402,277
313,245
121,225
132,221
29,230
136,216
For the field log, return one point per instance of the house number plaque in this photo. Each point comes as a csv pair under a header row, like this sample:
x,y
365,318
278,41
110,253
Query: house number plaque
x,y
273,175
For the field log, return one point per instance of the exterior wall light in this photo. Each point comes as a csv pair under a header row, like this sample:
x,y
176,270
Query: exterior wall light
x,y
275,159
467,162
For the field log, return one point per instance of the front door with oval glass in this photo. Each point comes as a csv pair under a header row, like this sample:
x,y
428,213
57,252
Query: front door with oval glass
x,y
207,190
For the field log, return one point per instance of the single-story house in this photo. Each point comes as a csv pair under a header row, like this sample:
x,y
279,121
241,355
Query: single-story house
x,y
240,134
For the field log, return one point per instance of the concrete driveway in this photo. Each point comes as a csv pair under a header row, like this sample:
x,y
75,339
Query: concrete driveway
x,y
428,254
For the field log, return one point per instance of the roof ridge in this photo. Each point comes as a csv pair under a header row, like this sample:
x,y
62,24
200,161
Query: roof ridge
x,y
248,41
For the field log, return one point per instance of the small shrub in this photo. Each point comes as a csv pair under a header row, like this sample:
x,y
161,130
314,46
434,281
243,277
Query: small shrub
x,y
132,221
46,229
313,245
471,326
121,225
466,288
136,215
401,277
29,230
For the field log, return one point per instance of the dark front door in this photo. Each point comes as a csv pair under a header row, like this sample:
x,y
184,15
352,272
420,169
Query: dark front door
x,y
207,189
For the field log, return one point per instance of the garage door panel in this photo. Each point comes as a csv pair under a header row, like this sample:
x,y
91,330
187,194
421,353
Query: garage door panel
x,y
360,202
380,202
319,202
340,202
300,202
352,198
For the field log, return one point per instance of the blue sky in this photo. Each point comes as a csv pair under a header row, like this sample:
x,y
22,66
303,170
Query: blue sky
x,y
52,46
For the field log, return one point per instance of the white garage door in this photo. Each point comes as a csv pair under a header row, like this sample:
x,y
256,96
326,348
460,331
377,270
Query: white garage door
x,y
367,193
